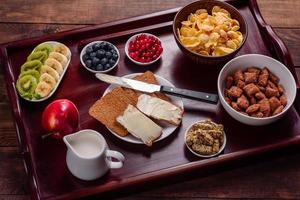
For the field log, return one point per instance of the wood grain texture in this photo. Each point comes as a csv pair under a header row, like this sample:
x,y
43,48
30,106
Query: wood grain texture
x,y
271,178
278,176
12,174
100,11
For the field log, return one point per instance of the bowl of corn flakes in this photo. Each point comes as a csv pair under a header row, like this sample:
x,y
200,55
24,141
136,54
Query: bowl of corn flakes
x,y
209,32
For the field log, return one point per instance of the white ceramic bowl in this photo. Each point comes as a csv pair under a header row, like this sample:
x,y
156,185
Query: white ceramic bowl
x,y
200,155
242,62
95,71
136,62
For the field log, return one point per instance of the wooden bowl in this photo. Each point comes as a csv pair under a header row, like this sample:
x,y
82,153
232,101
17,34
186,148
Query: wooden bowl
x,y
183,14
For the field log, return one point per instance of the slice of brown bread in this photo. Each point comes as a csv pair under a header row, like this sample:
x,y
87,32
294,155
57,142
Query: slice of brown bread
x,y
114,103
109,107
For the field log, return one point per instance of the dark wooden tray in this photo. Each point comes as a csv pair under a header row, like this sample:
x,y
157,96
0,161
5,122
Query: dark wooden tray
x,y
44,160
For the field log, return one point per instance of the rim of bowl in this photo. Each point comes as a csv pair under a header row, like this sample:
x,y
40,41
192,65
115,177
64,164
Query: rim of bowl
x,y
95,71
285,109
137,62
211,57
200,155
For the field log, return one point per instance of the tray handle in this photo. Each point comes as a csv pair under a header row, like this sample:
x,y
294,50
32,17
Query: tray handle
x,y
274,41
13,96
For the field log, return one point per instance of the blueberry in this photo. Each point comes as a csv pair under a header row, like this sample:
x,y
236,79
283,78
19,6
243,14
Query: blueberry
x,y
107,66
106,46
100,53
99,67
85,57
96,46
92,55
89,49
113,51
112,62
108,55
96,61
88,63
110,46
115,56
102,44
104,61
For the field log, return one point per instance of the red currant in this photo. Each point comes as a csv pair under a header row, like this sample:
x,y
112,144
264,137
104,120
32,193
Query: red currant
x,y
145,48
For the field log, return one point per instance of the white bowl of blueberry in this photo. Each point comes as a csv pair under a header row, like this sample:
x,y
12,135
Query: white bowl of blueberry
x,y
99,56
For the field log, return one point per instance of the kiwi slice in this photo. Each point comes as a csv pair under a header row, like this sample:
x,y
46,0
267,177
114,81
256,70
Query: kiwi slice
x,y
34,64
46,48
38,55
32,72
26,86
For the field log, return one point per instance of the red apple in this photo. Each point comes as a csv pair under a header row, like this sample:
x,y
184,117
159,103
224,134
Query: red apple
x,y
60,118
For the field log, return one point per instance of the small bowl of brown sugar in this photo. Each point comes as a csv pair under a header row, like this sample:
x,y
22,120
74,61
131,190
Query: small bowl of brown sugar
x,y
205,138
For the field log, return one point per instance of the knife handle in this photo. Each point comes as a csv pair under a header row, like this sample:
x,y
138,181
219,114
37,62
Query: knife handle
x,y
201,96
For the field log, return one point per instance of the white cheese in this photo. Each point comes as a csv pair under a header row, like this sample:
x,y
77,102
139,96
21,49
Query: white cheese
x,y
139,125
159,109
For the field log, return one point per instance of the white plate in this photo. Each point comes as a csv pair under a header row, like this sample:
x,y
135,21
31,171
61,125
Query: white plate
x,y
167,128
60,77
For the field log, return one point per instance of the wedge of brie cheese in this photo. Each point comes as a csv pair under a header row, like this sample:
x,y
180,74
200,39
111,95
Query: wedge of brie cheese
x,y
139,125
159,109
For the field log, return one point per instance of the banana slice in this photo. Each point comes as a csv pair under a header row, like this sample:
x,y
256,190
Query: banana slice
x,y
45,77
43,89
59,57
51,62
51,71
63,49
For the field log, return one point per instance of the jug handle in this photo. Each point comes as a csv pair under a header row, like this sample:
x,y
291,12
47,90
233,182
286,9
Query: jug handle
x,y
117,155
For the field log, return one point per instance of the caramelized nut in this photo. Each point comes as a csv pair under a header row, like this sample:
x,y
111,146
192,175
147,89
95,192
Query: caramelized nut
x,y
234,105
263,77
234,92
250,77
254,70
257,114
283,100
270,92
253,108
260,95
274,103
274,78
251,89
278,110
238,75
243,102
240,84
265,107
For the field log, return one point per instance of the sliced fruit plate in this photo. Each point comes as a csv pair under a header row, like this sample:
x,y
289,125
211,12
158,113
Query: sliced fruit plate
x,y
43,71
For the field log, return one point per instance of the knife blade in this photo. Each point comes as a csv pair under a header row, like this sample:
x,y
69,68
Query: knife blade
x,y
150,88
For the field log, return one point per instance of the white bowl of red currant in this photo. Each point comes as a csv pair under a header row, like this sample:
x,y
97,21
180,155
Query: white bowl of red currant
x,y
99,56
143,48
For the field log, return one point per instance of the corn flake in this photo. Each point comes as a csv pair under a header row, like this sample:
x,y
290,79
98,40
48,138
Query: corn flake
x,y
216,34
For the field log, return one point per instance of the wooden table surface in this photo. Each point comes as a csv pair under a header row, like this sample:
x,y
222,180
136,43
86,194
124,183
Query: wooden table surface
x,y
272,176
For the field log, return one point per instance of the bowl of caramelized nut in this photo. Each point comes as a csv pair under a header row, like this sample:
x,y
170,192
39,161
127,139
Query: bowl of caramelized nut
x,y
209,32
256,89
205,138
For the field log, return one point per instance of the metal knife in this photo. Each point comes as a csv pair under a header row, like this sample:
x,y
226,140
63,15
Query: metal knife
x,y
150,88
